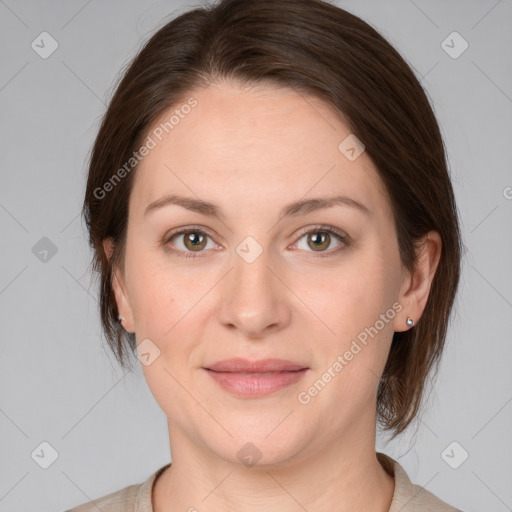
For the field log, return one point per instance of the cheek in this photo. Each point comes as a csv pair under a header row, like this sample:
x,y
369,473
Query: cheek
x,y
161,293
355,304
349,297
168,305
168,388
164,312
154,304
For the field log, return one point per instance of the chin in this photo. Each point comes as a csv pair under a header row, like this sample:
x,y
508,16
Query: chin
x,y
259,444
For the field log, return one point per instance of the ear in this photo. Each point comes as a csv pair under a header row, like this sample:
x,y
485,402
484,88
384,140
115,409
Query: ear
x,y
120,292
416,286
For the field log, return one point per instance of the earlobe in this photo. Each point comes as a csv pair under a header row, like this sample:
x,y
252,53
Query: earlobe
x,y
119,287
419,282
122,301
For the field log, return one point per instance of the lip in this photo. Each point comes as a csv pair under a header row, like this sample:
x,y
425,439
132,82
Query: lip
x,y
240,365
248,379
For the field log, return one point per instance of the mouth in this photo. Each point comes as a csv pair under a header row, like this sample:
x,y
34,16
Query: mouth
x,y
255,384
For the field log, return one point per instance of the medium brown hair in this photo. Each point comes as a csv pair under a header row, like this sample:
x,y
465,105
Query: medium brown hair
x,y
314,48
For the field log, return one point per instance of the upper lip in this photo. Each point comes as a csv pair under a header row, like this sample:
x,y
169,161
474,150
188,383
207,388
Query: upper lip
x,y
240,365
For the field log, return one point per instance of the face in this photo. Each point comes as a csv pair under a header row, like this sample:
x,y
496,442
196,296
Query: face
x,y
260,279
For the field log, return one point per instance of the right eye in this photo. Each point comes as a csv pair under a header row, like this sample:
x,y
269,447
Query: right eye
x,y
192,240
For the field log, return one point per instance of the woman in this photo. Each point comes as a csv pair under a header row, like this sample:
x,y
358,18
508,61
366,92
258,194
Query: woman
x,y
277,239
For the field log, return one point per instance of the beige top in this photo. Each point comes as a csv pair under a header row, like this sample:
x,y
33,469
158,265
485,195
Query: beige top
x,y
407,497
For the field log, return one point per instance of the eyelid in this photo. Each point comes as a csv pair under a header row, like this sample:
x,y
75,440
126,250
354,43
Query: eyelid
x,y
321,228
184,229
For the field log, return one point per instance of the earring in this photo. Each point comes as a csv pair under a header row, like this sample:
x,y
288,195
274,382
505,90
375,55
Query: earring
x,y
121,318
410,322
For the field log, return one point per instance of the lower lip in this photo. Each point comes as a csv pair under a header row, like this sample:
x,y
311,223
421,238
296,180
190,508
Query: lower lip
x,y
256,384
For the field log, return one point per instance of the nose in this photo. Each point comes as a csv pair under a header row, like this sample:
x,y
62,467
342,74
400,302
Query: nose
x,y
253,298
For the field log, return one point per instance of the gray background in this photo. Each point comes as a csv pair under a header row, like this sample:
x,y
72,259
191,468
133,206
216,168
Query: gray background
x,y
60,385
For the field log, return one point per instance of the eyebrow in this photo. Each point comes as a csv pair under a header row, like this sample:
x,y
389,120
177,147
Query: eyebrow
x,y
291,210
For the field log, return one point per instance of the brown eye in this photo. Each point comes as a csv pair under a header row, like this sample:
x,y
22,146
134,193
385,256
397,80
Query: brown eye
x,y
194,240
186,242
319,240
322,240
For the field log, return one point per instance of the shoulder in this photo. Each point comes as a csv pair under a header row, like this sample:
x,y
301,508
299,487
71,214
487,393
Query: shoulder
x,y
425,500
119,501
409,497
134,498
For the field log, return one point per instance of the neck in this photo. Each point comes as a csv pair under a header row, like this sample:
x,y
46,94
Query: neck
x,y
344,477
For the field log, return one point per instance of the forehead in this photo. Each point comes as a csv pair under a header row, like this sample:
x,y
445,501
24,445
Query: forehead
x,y
268,143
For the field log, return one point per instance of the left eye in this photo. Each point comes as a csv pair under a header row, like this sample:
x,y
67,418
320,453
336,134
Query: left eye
x,y
319,239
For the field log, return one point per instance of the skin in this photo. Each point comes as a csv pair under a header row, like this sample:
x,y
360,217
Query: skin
x,y
252,151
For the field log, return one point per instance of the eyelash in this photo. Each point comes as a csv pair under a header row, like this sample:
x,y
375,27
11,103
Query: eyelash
x,y
342,237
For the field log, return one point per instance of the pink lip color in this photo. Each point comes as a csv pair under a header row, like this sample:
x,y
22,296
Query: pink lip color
x,y
241,365
256,384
